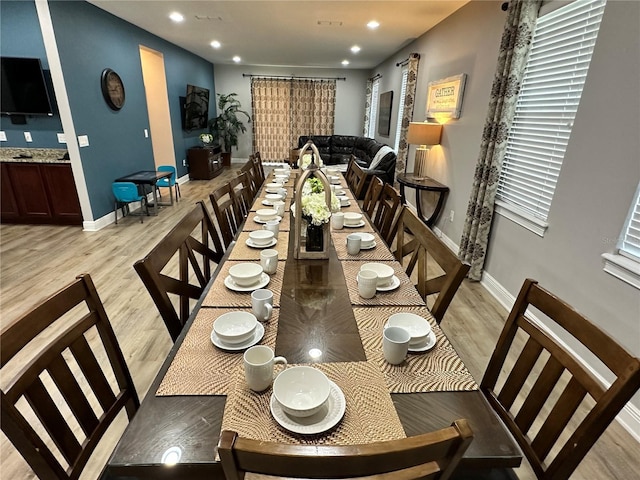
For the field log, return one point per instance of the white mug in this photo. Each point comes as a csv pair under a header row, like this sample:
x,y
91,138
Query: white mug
x,y
395,344
278,206
354,243
337,220
269,260
262,303
367,283
272,226
259,362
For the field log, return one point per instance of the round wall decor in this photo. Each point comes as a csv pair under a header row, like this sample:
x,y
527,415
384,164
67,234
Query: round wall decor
x,y
112,89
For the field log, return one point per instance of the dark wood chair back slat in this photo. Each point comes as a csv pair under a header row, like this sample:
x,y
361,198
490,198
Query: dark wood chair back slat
x,y
257,162
415,238
372,196
196,243
242,195
250,169
433,455
387,213
356,178
554,405
56,357
224,208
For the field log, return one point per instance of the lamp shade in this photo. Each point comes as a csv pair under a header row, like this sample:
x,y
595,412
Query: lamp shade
x,y
424,133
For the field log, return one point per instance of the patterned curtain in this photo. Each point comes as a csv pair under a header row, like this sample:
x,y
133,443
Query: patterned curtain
x,y
367,107
284,109
514,49
407,115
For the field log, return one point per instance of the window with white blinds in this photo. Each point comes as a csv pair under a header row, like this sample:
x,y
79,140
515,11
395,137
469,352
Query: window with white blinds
x,y
373,112
630,239
549,96
403,94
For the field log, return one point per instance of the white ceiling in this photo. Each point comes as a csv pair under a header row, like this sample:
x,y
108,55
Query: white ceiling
x,y
287,33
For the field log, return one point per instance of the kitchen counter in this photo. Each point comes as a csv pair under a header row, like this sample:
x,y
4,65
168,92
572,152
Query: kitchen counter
x,y
34,155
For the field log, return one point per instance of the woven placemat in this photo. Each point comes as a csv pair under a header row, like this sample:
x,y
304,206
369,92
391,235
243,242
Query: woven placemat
x,y
199,367
242,251
405,294
250,223
220,296
439,369
353,207
257,204
369,416
380,252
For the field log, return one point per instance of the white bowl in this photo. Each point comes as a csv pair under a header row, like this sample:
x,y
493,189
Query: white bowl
x,y
246,274
261,237
334,179
301,391
281,178
418,327
265,214
367,239
235,327
272,197
344,200
385,272
281,171
352,218
273,187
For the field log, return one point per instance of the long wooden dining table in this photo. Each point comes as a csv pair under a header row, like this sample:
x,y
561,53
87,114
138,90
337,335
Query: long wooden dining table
x,y
318,318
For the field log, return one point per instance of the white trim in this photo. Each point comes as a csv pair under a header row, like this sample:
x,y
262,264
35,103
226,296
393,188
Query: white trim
x,y
446,240
629,416
623,268
521,217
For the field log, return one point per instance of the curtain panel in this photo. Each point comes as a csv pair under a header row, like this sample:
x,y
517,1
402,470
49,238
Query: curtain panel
x,y
407,113
512,59
284,109
367,107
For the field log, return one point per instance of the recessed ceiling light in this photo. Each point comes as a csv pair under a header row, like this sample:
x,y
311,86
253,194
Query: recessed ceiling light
x,y
237,59
373,24
215,44
355,49
176,17
345,62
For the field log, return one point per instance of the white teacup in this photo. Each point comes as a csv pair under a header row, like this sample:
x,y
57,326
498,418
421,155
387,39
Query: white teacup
x,y
269,260
344,200
354,244
262,304
395,344
273,226
337,220
279,207
367,283
259,363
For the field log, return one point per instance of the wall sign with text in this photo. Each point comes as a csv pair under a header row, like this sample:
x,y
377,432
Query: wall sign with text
x,y
444,97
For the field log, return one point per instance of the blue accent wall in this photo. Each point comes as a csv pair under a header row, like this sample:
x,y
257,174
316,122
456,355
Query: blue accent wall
x,y
90,40
20,36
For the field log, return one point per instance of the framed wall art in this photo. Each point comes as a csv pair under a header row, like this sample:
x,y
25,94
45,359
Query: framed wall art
x,y
384,113
444,97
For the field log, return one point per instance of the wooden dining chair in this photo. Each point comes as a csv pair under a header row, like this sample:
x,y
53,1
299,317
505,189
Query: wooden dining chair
x,y
65,381
418,242
242,197
554,405
224,208
257,161
387,213
181,265
355,177
372,196
249,168
433,455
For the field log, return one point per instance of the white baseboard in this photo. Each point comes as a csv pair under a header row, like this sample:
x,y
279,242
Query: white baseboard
x,y
629,416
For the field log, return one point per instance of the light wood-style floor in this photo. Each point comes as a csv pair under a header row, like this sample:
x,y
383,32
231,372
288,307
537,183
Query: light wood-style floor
x,y
36,261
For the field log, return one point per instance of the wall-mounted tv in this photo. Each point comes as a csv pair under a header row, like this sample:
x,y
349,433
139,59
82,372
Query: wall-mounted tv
x,y
196,108
23,90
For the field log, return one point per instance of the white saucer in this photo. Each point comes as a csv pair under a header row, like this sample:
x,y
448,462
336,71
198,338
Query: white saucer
x,y
395,283
262,222
348,204
328,416
431,342
368,247
250,243
267,203
355,225
231,285
257,336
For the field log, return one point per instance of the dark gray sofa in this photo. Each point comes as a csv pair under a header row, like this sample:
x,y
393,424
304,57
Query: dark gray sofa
x,y
337,149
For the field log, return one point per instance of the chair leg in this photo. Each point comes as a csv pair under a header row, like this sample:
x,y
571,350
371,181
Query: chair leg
x,y
115,210
178,194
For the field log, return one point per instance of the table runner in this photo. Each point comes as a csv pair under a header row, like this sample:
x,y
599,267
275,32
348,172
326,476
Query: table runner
x,y
242,251
200,368
380,252
439,369
405,294
369,416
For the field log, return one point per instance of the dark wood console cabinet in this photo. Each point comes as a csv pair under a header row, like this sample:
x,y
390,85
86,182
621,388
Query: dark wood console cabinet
x,y
204,163
39,193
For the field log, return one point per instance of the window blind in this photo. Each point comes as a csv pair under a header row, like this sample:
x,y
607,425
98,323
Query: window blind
x,y
373,114
630,244
549,96
403,94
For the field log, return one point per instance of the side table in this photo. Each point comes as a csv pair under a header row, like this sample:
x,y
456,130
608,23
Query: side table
x,y
423,184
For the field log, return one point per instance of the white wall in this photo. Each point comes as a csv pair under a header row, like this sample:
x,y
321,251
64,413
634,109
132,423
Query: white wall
x,y
598,179
350,95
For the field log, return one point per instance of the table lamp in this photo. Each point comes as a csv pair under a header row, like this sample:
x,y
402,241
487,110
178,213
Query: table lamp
x,y
424,134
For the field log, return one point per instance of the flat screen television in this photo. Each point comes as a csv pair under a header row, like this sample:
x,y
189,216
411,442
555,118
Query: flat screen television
x,y
23,90
196,108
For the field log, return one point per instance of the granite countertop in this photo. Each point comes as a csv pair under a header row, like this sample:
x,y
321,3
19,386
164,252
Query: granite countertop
x,y
32,155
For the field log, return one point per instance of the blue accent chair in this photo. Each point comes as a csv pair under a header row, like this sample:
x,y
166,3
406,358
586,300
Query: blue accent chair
x,y
169,182
126,193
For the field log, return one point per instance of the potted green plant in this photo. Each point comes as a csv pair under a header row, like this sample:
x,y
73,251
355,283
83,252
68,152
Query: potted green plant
x,y
226,127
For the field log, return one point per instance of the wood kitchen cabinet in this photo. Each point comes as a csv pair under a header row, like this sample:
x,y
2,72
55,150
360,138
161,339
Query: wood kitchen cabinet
x,y
204,163
39,193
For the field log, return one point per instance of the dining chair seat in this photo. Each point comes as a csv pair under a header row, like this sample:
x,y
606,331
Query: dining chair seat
x,y
65,381
433,455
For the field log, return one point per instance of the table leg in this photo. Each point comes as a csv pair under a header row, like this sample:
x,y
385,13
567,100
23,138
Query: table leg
x,y
155,199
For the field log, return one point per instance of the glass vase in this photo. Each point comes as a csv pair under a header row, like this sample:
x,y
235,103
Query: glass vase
x,y
315,238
